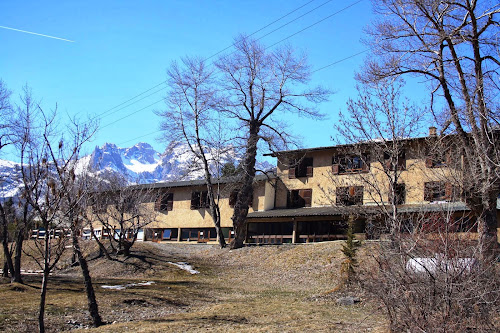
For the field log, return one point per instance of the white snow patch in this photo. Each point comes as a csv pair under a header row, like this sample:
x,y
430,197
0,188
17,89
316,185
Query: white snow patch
x,y
439,264
185,266
139,167
125,286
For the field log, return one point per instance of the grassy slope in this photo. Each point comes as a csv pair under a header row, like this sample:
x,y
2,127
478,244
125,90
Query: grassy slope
x,y
258,289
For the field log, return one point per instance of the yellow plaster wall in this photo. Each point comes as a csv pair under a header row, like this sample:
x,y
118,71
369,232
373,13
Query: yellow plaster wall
x,y
323,183
182,216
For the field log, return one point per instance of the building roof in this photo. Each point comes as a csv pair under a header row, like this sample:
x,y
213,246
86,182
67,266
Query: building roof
x,y
305,150
200,182
339,210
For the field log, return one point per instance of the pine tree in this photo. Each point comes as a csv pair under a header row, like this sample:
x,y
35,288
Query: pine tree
x,y
349,249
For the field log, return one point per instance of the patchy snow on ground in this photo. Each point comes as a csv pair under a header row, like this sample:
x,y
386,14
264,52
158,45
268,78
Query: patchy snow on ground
x,y
125,286
185,266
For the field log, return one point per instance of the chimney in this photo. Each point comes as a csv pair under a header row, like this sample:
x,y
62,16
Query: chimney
x,y
432,131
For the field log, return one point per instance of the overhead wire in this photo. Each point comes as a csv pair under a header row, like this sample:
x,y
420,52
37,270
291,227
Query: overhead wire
x,y
228,47
314,71
294,34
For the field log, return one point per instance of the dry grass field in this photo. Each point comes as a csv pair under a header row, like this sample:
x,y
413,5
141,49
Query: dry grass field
x,y
254,289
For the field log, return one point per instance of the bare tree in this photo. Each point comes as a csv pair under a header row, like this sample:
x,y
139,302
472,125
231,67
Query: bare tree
x,y
377,126
34,128
50,187
190,117
121,212
64,161
5,139
259,88
454,46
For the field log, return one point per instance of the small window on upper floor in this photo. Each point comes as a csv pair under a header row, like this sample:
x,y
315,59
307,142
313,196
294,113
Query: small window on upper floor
x,y
438,159
164,202
390,162
349,195
440,191
399,192
342,164
199,200
299,198
301,168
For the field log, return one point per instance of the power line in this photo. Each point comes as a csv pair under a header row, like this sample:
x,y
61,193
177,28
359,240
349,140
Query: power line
x,y
131,114
341,60
228,47
317,22
294,34
317,70
142,93
148,134
126,106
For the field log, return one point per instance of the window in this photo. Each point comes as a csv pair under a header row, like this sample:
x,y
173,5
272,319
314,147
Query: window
x,y
400,162
234,195
440,191
299,198
350,164
301,168
400,192
437,160
199,200
164,202
349,195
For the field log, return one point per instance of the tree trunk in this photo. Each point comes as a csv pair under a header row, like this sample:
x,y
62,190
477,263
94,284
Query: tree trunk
x,y
5,271
215,212
89,288
125,248
7,254
245,194
102,248
46,270
487,229
17,256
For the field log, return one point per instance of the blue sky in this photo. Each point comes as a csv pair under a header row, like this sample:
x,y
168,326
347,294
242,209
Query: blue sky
x,y
122,48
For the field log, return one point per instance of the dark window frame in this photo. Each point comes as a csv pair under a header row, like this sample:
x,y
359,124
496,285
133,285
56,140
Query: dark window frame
x,y
300,168
349,195
165,202
400,163
440,191
299,198
199,200
350,164
400,191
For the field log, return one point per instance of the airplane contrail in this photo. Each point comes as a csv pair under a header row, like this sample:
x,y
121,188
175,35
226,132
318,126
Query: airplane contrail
x,y
34,33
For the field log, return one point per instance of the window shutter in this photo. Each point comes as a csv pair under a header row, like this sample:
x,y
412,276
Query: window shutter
x,y
307,196
448,192
170,202
288,199
309,171
158,203
195,200
352,191
204,200
291,173
335,169
428,162
358,195
428,189
250,204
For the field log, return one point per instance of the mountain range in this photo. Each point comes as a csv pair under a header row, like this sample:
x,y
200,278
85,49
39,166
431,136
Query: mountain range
x,y
138,164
